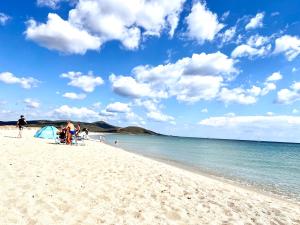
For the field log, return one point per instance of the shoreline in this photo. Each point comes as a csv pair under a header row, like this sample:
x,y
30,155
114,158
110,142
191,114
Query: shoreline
x,y
47,183
214,176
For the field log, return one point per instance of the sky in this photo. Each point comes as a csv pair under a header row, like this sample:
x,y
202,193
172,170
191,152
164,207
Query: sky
x,y
212,69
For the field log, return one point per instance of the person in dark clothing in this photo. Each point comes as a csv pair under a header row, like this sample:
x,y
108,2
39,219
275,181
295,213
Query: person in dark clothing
x,y
20,124
86,133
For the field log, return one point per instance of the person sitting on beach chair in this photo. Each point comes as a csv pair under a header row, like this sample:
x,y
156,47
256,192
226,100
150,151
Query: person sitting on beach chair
x,y
62,134
85,132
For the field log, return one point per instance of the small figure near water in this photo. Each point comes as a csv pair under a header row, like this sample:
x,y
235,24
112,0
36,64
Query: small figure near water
x,y
116,142
21,123
101,138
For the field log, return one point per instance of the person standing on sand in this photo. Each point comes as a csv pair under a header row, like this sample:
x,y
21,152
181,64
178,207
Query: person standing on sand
x,y
70,131
21,123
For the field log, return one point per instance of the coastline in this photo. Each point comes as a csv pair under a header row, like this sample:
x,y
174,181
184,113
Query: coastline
x,y
102,184
193,169
266,190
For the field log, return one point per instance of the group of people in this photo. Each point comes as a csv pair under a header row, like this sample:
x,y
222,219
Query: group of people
x,y
66,133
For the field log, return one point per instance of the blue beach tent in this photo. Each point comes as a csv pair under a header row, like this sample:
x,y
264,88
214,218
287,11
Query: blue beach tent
x,y
48,132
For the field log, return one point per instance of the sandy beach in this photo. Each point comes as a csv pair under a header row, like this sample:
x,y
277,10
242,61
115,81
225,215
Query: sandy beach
x,y
45,183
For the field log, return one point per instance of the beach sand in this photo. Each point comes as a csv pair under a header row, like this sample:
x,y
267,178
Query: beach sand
x,y
44,183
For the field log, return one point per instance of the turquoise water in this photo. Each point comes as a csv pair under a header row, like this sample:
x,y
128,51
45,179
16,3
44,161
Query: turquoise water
x,y
271,166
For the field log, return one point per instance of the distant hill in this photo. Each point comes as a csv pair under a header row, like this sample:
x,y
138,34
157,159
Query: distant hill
x,y
136,130
99,126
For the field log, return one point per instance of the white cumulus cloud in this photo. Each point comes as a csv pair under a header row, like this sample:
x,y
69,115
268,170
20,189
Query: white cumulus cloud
x,y
254,127
245,50
30,103
53,4
93,22
189,79
288,96
203,24
288,45
88,83
68,112
58,34
74,96
4,18
118,107
25,82
258,121
158,116
256,22
275,76
257,40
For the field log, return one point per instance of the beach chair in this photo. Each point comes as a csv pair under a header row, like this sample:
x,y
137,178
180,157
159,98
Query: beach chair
x,y
77,140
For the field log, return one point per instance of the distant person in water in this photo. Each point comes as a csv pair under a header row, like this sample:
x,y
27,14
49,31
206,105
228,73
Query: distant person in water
x,y
70,128
20,124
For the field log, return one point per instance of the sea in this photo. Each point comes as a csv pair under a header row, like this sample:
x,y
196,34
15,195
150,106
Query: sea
x,y
272,167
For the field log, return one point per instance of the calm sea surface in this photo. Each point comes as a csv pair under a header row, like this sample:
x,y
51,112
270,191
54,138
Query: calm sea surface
x,y
271,166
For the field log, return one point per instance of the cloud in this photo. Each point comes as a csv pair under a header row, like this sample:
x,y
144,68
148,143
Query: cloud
x,y
295,111
225,15
256,121
271,128
93,22
205,110
248,51
88,83
58,34
195,88
53,4
149,105
129,87
4,18
275,14
249,96
74,96
68,112
189,79
275,77
157,116
203,24
238,95
228,35
24,82
256,22
257,40
118,107
49,3
133,118
31,103
288,96
289,45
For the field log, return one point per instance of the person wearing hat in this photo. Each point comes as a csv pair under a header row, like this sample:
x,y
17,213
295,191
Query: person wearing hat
x,y
21,123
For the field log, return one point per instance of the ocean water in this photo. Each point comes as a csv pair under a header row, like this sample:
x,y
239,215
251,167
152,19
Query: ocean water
x,y
270,166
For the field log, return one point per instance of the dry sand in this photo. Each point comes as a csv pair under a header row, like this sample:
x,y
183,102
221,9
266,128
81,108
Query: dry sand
x,y
44,183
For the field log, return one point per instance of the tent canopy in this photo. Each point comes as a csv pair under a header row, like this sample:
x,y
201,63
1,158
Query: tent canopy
x,y
48,132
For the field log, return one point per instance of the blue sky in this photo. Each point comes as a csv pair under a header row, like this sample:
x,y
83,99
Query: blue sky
x,y
224,69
